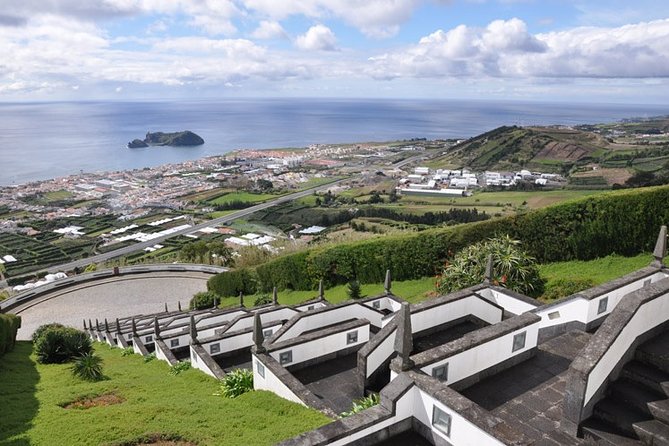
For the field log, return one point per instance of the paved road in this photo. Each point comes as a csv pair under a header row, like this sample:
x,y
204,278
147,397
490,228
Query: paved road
x,y
217,221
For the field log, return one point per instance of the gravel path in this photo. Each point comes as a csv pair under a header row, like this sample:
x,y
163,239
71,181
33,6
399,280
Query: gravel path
x,y
111,298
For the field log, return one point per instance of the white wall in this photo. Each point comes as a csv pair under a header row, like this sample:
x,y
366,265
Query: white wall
x,y
237,342
481,357
463,432
322,346
509,303
198,363
650,315
339,314
380,354
315,305
471,305
272,383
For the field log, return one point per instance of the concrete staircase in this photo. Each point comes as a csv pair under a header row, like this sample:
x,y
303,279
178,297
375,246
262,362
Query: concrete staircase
x,y
635,410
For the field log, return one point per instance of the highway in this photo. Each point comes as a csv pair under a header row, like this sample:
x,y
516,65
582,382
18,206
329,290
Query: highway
x,y
217,221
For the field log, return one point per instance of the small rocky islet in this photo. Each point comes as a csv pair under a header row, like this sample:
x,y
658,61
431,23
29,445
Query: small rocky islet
x,y
175,139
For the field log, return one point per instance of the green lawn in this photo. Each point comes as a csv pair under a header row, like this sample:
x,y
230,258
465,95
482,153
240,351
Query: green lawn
x,y
154,402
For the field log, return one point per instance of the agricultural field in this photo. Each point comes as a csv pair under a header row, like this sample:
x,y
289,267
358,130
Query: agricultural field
x,y
246,197
146,399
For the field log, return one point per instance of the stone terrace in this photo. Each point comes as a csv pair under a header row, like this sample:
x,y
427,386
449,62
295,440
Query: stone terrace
x,y
529,396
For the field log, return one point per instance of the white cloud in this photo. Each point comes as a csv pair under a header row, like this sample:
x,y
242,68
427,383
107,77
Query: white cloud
x,y
317,38
377,18
506,49
269,30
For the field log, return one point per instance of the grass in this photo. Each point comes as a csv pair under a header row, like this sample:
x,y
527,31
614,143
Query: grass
x,y
154,402
599,270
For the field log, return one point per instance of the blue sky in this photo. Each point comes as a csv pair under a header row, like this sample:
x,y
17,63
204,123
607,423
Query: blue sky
x,y
550,50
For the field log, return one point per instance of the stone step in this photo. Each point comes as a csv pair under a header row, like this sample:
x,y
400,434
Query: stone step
x,y
655,352
647,375
660,410
619,414
634,395
606,435
653,432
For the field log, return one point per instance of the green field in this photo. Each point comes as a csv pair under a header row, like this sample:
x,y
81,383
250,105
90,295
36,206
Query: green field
x,y
599,270
153,402
247,197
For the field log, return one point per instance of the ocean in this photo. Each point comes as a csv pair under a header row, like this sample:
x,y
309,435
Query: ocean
x,y
50,139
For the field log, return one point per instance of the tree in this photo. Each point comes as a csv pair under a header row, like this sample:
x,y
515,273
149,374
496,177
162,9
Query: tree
x,y
3,270
513,268
222,252
264,185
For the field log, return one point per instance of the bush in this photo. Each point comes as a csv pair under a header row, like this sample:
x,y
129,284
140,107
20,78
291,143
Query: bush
x,y
263,299
512,268
57,345
231,283
202,300
149,358
42,328
179,367
9,326
566,287
88,367
236,383
364,403
127,351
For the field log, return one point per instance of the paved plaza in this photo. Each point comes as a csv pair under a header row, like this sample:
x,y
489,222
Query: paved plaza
x,y
110,298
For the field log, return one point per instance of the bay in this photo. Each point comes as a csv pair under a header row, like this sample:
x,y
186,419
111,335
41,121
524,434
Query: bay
x,y
50,139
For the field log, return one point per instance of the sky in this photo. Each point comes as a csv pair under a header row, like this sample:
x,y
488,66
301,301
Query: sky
x,y
609,51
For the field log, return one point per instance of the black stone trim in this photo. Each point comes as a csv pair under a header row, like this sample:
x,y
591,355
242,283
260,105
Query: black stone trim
x,y
474,339
575,410
208,361
295,386
468,409
136,340
166,351
345,427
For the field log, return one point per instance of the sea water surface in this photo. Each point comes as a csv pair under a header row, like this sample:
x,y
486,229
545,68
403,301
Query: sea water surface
x,y
50,139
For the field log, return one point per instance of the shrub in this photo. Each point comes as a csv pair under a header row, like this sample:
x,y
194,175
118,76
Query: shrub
x,y
179,367
263,299
231,283
565,287
42,328
57,345
202,300
149,358
127,351
9,326
88,367
236,383
364,403
512,267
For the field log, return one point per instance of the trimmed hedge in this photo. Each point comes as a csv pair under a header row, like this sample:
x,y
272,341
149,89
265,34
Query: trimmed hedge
x,y
233,282
9,326
622,222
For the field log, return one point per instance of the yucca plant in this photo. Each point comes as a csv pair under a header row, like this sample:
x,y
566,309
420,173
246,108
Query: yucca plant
x,y
236,383
370,400
88,367
513,268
